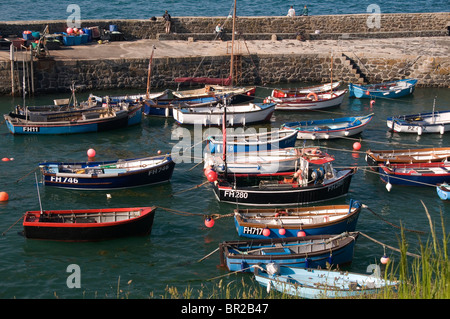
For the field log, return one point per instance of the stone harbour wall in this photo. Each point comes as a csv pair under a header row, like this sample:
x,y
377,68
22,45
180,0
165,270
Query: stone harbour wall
x,y
91,75
328,24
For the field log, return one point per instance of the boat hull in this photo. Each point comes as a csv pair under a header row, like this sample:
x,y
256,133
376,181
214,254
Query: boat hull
x,y
321,217
395,89
283,196
284,255
437,122
329,129
319,284
254,143
65,127
37,228
305,104
415,175
107,178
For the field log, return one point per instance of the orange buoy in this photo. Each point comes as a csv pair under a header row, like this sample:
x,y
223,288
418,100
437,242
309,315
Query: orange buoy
x,y
5,159
209,222
4,196
316,98
372,102
356,146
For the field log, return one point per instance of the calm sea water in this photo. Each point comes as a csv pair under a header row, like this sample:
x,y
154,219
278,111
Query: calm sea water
x,y
143,9
144,267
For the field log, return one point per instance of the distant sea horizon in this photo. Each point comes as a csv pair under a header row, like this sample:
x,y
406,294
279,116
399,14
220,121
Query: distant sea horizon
x,y
26,10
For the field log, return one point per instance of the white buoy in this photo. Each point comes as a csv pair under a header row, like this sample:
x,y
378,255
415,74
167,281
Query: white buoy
x,y
388,186
441,129
420,130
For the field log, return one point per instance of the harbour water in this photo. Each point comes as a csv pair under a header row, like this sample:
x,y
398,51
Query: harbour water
x,y
145,267
143,9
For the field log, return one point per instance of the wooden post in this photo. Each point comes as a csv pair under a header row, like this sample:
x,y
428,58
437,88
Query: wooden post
x,y
11,57
32,72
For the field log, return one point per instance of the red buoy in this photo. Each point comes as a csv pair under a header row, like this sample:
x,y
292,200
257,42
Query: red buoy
x,y
266,232
91,152
356,146
5,159
211,176
209,222
282,231
4,196
301,233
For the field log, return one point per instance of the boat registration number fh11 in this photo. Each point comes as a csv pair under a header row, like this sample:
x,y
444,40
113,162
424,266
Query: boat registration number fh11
x,y
31,129
235,194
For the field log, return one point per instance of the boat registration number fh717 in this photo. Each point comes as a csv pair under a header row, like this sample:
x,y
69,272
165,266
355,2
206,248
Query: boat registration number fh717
x,y
235,194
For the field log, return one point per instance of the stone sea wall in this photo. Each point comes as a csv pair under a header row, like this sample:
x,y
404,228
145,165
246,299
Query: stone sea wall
x,y
90,75
57,75
327,24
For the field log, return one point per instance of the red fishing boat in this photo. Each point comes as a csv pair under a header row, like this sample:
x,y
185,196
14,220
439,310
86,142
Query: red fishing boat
x,y
88,224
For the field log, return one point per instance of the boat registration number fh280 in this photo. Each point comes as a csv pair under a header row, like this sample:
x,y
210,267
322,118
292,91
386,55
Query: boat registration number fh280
x,y
235,194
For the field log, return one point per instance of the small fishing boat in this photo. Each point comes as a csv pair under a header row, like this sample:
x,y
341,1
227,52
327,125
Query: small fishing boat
x,y
319,283
300,91
315,181
443,191
88,224
236,94
311,101
405,156
236,114
418,174
287,222
164,106
329,128
432,122
307,252
251,142
392,89
122,173
95,119
259,162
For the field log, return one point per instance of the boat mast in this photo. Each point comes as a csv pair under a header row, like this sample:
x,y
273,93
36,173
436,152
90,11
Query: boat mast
x,y
149,73
232,44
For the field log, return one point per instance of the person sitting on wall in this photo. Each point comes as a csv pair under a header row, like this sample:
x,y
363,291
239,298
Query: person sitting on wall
x,y
305,11
219,31
291,12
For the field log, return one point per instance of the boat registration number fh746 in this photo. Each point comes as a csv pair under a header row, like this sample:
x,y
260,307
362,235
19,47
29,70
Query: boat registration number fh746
x,y
58,179
158,170
235,194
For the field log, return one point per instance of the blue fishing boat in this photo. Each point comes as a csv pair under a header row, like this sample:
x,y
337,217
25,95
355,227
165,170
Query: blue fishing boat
x,y
319,283
329,128
115,174
289,222
93,119
251,142
392,89
307,252
417,174
443,191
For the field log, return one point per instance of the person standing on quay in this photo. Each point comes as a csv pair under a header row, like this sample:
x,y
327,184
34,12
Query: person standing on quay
x,y
291,12
168,21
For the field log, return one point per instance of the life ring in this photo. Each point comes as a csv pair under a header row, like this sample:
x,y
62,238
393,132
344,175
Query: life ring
x,y
316,98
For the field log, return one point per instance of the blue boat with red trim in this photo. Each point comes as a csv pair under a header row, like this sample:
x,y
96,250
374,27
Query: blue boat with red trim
x,y
96,175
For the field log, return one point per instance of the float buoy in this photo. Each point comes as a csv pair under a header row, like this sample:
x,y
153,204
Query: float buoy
x,y
301,233
356,146
384,260
266,232
316,98
209,222
372,102
282,231
4,196
211,176
91,152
